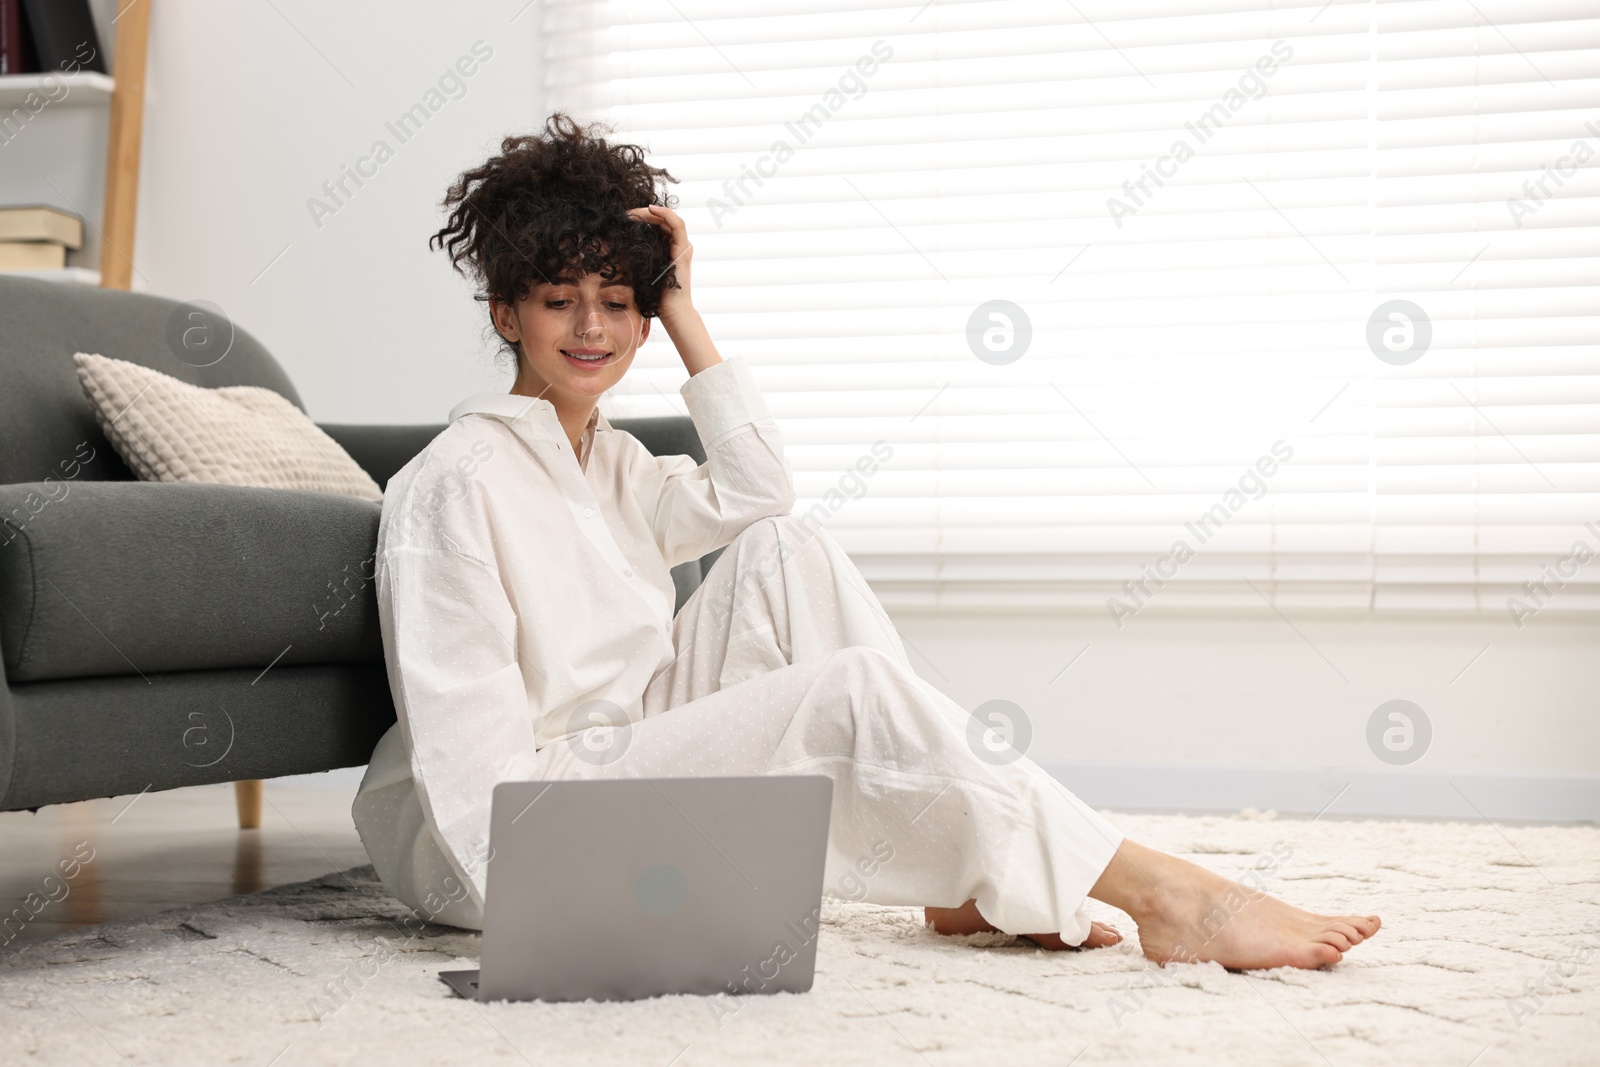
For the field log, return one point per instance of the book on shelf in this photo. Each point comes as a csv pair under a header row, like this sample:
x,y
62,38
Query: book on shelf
x,y
16,44
37,237
39,222
63,35
32,255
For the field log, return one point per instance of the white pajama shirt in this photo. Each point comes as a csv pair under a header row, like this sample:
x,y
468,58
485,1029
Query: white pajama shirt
x,y
526,605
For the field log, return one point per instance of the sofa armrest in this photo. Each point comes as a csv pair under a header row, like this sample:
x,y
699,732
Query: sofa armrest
x,y
122,578
382,450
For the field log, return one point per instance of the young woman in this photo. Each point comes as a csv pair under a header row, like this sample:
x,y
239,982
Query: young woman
x,y
527,618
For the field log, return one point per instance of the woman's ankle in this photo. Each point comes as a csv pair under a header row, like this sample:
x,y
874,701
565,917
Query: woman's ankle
x,y
1134,880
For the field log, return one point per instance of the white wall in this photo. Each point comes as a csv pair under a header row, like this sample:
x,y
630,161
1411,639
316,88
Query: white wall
x,y
248,112
245,120
1247,690
1241,709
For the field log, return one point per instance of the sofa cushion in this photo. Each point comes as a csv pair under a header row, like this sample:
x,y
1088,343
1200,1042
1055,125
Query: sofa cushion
x,y
171,431
106,578
44,416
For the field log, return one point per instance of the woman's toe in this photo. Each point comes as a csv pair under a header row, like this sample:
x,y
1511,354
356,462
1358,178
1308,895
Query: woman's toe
x,y
1321,954
1338,940
1101,936
1351,932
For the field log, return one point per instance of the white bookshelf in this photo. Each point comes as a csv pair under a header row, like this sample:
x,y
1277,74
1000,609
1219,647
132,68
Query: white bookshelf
x,y
85,88
67,275
53,151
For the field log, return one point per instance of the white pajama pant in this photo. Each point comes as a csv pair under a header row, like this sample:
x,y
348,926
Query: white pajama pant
x,y
787,664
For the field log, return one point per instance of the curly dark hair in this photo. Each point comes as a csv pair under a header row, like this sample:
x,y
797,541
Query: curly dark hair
x,y
554,205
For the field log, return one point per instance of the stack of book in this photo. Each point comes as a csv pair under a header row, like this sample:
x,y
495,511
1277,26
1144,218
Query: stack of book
x,y
37,237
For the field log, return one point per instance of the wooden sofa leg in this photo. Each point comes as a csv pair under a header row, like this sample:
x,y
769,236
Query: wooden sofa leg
x,y
247,794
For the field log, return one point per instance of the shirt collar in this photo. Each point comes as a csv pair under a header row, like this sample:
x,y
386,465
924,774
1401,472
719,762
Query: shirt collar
x,y
511,407
507,406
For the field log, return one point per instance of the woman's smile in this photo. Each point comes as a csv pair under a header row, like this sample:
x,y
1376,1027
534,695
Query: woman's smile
x,y
588,358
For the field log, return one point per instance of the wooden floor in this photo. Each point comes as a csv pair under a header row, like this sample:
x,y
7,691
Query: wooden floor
x,y
71,865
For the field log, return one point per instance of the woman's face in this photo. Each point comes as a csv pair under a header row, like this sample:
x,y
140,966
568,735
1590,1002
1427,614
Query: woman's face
x,y
578,336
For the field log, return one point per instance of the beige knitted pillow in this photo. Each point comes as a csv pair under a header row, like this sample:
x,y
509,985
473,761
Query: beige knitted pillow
x,y
170,431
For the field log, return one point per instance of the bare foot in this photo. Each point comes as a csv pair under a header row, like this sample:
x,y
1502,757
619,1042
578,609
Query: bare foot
x,y
968,920
1186,913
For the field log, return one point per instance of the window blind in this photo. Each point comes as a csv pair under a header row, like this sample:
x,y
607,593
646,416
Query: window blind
x,y
1104,305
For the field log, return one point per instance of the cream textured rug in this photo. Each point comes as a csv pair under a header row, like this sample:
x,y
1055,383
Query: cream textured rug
x,y
1489,955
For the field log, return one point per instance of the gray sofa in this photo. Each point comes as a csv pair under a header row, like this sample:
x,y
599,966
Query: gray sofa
x,y
160,635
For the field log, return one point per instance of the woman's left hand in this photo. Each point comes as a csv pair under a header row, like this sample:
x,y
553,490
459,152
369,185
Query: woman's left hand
x,y
675,303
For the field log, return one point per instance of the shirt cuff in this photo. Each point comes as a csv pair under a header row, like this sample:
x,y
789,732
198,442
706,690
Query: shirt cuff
x,y
722,400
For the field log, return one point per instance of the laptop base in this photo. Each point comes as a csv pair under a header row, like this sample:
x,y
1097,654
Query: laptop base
x,y
465,983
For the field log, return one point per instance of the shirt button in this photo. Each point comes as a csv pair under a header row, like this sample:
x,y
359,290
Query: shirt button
x,y
627,573
588,513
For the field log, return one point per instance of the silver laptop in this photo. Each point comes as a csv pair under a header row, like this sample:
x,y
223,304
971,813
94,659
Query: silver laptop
x,y
632,888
